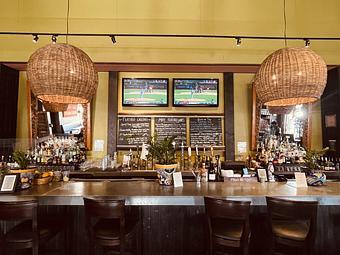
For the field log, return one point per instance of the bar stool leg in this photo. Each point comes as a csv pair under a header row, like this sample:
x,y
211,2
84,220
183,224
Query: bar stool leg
x,y
35,249
139,239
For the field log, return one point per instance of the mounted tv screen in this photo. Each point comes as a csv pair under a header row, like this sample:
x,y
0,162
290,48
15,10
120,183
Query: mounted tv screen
x,y
195,92
145,92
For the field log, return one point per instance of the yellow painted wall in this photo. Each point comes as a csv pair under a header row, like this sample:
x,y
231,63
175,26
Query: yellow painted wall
x,y
99,114
316,127
22,117
243,110
227,17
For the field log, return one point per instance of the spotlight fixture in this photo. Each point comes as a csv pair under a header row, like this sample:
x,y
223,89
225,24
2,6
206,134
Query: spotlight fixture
x,y
307,43
35,38
238,41
113,39
54,39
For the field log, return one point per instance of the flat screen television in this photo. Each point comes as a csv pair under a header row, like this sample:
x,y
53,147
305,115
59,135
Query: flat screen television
x,y
145,91
195,92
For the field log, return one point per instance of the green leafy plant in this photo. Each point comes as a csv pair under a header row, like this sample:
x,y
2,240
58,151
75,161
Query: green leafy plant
x,y
3,171
312,157
162,151
21,159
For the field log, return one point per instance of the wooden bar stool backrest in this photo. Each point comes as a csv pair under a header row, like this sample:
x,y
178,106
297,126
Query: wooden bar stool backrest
x,y
20,211
283,209
105,208
227,209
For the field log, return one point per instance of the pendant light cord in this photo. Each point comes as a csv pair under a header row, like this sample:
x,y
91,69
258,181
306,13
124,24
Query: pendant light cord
x,y
285,22
68,15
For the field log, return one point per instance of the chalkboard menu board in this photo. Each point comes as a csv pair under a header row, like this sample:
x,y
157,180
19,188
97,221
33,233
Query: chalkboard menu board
x,y
206,131
133,130
169,126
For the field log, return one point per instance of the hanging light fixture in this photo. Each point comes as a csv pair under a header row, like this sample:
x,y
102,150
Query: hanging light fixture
x,y
62,73
54,107
291,76
280,109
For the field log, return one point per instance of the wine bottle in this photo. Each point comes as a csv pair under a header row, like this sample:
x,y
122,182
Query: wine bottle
x,y
211,171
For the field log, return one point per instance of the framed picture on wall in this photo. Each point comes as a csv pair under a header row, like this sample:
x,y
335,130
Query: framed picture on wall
x,y
9,183
145,91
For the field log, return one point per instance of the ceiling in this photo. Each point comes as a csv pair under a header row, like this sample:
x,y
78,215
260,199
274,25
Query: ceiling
x,y
305,18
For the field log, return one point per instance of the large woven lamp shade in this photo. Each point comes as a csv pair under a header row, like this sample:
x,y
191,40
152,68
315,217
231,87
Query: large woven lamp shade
x,y
62,73
280,109
291,76
54,107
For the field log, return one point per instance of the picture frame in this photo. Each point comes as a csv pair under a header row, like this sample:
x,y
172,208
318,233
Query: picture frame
x,y
9,183
262,174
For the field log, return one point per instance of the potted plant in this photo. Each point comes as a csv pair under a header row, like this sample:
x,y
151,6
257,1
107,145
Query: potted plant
x,y
164,154
26,173
314,176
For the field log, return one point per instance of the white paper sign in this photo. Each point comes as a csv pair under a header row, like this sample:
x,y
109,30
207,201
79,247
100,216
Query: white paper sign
x,y
99,145
301,181
178,181
241,147
145,151
227,173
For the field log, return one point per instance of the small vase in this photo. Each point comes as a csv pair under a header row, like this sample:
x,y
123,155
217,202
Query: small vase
x,y
164,173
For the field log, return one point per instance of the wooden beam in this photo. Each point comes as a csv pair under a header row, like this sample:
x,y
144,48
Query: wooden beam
x,y
164,67
160,67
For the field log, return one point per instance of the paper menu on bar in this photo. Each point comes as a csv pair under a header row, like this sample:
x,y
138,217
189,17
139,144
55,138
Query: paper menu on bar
x,y
301,181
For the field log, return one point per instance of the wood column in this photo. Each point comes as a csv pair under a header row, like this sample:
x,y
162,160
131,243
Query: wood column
x,y
112,113
9,86
229,131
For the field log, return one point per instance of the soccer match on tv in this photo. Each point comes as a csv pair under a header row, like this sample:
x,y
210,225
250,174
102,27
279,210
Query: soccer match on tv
x,y
145,92
203,92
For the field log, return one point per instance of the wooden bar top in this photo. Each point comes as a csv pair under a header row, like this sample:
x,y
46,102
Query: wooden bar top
x,y
192,193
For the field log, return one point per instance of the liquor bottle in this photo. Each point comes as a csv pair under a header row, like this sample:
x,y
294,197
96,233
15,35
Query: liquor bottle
x,y
337,164
218,168
2,161
138,160
211,172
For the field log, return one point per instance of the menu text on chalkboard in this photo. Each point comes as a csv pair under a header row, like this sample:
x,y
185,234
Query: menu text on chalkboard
x,y
205,131
171,126
133,130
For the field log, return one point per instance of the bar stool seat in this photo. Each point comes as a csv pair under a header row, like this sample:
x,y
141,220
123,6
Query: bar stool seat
x,y
109,229
293,225
297,230
228,225
30,232
110,226
227,229
23,232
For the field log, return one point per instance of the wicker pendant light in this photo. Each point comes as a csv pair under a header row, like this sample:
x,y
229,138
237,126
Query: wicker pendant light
x,y
291,76
54,107
62,73
280,109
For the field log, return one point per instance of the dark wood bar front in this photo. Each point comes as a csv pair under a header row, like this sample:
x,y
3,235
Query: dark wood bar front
x,y
173,219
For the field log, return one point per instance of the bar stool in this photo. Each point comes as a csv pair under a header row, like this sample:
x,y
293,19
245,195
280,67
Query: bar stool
x,y
108,226
29,231
228,225
293,225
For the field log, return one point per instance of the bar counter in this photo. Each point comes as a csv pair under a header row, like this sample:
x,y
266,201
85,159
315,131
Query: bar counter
x,y
149,192
173,219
